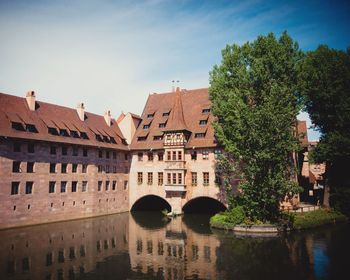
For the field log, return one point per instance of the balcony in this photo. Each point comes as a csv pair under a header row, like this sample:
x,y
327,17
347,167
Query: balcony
x,y
177,165
174,188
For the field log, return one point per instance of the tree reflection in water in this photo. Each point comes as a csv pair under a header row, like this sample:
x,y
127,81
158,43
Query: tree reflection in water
x,y
145,246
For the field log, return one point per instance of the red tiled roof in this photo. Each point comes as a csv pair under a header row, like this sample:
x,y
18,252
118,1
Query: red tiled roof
x,y
15,109
185,109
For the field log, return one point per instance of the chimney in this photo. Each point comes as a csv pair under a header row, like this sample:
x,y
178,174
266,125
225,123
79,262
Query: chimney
x,y
81,111
30,97
107,117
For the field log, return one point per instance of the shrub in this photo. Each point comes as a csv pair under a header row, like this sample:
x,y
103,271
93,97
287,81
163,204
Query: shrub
x,y
228,219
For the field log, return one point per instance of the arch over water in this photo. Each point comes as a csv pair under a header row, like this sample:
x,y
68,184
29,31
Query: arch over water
x,y
151,203
203,204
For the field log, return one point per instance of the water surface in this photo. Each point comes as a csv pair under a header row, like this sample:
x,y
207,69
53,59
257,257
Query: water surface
x,y
145,245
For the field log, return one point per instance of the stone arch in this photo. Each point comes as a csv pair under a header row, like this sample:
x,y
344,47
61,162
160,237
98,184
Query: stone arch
x,y
203,204
151,203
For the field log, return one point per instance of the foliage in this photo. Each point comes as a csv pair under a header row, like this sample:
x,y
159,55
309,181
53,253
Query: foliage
x,y
229,218
317,218
253,94
325,82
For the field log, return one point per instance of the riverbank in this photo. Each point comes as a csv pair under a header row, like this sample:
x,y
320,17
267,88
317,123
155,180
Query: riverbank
x,y
296,221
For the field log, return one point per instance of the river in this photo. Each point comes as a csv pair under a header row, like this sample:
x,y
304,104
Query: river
x,y
145,245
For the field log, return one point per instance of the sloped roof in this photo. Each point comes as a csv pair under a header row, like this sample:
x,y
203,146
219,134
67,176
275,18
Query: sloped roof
x,y
302,132
15,109
185,111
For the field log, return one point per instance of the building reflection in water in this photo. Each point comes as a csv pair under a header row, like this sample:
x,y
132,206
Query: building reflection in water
x,y
149,246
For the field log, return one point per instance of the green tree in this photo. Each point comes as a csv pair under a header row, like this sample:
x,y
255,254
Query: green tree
x,y
325,83
253,94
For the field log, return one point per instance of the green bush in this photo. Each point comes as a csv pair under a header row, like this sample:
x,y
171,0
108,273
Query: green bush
x,y
340,201
228,219
317,218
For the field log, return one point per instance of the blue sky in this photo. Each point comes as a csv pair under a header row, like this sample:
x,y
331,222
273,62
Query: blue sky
x,y
112,54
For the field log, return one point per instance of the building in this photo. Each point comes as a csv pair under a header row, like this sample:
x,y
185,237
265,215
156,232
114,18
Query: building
x,y
58,163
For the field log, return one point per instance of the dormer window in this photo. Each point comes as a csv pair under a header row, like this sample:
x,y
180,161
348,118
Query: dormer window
x,y
74,134
199,135
146,126
52,131
206,110
157,137
64,132
162,125
106,139
83,135
150,115
17,126
203,122
113,140
31,128
141,138
166,114
99,138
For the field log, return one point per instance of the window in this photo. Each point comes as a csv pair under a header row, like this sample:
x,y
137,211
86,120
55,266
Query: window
x,y
205,178
100,153
75,151
150,115
203,122
166,114
141,138
30,167
74,186
174,178
194,178
83,135
31,128
126,157
29,187
107,154
217,179
16,166
199,135
146,126
160,178
74,134
149,178
179,155
14,188
114,169
52,185
74,168
139,178
162,125
63,186
52,131
114,185
52,167
107,185
17,126
205,155
125,184
194,155
107,168
114,155
168,178
85,152
140,156
64,150
217,154
179,178
64,168
99,186
99,168
64,132
160,156
16,147
84,186
52,150
205,110
174,155
168,155
157,138
150,156
31,148
84,168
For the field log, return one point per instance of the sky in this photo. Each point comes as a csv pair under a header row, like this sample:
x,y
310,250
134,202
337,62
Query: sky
x,y
111,55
